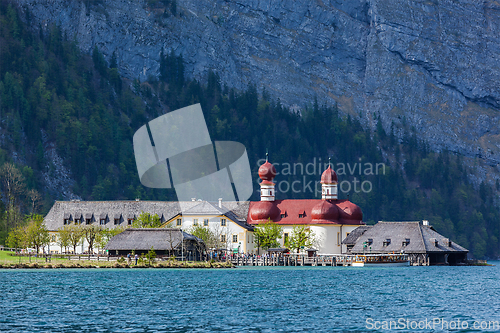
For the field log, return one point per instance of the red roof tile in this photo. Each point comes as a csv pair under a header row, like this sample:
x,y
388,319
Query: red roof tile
x,y
286,212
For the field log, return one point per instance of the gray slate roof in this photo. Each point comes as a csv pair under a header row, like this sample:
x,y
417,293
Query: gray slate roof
x,y
422,239
204,208
123,210
145,238
355,234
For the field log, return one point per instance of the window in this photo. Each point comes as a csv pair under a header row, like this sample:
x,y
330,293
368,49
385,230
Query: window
x,y
53,238
179,221
223,222
205,222
103,221
66,221
117,221
235,238
301,216
130,221
282,216
338,238
77,221
195,221
87,221
222,238
285,238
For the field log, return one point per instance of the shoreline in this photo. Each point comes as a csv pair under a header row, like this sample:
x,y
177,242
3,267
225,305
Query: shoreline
x,y
87,265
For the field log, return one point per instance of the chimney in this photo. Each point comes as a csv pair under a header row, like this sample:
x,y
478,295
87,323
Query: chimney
x,y
220,202
425,222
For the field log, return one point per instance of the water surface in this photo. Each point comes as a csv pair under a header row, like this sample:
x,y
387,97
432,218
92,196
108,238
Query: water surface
x,y
281,299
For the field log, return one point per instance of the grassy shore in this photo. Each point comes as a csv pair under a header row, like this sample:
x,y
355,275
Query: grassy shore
x,y
10,260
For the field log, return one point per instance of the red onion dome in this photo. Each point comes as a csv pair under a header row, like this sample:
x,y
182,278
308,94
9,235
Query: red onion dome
x,y
329,176
267,171
350,211
325,210
263,210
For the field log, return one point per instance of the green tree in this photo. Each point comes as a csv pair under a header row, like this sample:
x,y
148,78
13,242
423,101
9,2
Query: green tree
x,y
301,236
151,256
36,232
63,238
91,234
204,233
75,234
146,220
17,238
106,234
267,234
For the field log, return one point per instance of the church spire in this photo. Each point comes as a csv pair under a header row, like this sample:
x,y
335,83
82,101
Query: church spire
x,y
267,172
329,183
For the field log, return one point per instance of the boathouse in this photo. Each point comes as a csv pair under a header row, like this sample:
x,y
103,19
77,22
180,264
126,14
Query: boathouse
x,y
423,244
164,241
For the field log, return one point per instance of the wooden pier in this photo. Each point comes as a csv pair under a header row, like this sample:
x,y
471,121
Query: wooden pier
x,y
295,260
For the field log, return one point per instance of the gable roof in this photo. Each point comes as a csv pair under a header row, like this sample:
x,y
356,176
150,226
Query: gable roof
x,y
420,239
204,208
147,238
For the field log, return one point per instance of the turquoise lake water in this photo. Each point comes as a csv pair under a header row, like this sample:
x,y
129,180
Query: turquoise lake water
x,y
286,299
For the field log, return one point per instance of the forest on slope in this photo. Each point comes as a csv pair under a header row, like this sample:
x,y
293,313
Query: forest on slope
x,y
51,93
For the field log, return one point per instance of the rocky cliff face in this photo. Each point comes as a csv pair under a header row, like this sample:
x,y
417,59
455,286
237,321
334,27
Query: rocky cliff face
x,y
432,64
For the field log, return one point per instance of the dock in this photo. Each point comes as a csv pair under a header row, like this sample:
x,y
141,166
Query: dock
x,y
295,260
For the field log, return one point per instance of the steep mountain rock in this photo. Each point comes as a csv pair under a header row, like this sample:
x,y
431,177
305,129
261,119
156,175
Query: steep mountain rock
x,y
432,65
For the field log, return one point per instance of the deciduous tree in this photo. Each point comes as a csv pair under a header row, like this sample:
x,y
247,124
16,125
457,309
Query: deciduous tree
x,y
301,236
75,233
91,234
37,233
267,234
63,238
146,220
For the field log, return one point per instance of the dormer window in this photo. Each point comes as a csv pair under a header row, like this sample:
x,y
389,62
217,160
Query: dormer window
x,y
282,216
130,221
103,221
66,221
387,242
406,242
77,221
117,221
87,221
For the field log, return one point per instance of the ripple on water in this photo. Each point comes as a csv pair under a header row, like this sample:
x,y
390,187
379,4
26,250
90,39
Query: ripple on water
x,y
242,300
